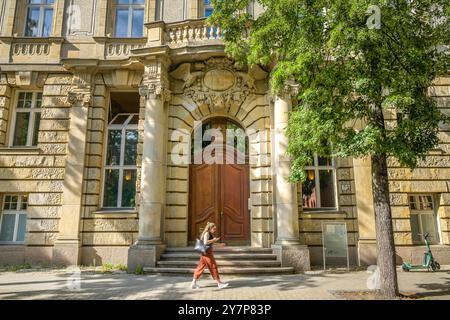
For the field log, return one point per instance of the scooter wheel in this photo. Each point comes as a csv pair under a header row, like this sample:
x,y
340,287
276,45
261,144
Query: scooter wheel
x,y
437,265
434,266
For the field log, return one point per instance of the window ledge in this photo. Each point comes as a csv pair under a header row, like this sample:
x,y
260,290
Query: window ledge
x,y
323,214
19,150
115,213
13,245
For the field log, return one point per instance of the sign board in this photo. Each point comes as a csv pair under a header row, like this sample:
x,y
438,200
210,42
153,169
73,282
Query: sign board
x,y
334,239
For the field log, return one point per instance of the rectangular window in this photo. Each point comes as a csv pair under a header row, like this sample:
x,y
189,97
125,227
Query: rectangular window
x,y
120,166
319,189
13,219
26,119
129,18
423,218
208,8
39,19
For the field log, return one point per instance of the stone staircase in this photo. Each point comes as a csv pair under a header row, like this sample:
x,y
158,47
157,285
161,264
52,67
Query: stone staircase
x,y
230,260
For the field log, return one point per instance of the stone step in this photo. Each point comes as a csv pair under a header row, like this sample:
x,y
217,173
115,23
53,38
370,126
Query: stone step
x,y
222,249
235,263
219,255
222,270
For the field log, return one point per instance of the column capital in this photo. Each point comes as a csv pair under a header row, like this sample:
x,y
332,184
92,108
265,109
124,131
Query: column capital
x,y
81,90
155,83
155,90
291,88
84,98
270,98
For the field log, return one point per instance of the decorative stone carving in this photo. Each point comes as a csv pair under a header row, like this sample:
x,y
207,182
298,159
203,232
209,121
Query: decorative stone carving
x,y
155,82
155,90
218,83
83,98
81,90
291,88
24,78
31,49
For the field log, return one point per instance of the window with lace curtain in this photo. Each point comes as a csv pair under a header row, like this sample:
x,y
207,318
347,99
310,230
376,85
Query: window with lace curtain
x,y
319,189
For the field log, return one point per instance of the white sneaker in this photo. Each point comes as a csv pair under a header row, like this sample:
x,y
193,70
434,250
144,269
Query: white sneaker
x,y
194,285
222,285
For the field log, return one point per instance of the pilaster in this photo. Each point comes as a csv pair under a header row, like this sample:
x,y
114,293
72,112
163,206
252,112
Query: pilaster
x,y
367,252
5,107
154,90
287,245
66,250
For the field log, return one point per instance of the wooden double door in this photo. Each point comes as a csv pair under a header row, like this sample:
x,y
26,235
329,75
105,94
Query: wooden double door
x,y
219,193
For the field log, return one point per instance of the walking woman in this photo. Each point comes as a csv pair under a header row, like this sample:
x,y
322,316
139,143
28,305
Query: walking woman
x,y
208,259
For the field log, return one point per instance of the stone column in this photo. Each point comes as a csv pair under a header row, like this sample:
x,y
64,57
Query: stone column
x,y
147,249
367,248
66,250
287,244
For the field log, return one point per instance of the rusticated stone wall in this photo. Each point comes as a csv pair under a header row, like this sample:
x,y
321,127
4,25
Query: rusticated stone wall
x,y
310,222
432,176
105,236
39,172
254,113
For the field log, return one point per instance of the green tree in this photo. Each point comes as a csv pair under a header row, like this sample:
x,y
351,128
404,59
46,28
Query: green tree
x,y
354,61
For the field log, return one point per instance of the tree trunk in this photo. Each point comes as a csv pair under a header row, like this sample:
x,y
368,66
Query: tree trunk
x,y
384,230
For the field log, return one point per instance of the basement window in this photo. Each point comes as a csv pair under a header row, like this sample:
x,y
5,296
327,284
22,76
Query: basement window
x,y
13,219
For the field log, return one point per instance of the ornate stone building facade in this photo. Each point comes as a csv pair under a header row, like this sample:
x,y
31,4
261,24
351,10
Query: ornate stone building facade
x,y
98,99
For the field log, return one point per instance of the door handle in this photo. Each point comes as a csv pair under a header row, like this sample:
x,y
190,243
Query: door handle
x,y
221,213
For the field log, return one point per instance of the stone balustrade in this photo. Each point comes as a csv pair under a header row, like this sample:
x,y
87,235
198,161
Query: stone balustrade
x,y
31,49
191,31
122,49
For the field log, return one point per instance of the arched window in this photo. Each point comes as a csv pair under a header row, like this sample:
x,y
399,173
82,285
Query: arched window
x,y
224,138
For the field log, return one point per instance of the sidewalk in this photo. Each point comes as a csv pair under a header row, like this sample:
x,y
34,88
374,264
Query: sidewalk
x,y
53,284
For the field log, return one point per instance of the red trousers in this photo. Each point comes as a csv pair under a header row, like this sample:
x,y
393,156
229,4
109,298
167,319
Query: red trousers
x,y
207,261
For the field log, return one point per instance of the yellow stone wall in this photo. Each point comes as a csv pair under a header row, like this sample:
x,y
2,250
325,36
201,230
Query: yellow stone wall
x,y
432,176
253,113
310,222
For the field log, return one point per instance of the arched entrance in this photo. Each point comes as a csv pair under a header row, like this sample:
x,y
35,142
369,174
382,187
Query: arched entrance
x,y
219,181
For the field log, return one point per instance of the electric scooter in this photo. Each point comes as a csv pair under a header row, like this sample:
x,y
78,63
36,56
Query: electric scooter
x,y
428,260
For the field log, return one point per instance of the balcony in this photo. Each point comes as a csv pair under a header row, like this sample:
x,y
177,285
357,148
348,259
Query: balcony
x,y
183,33
192,33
